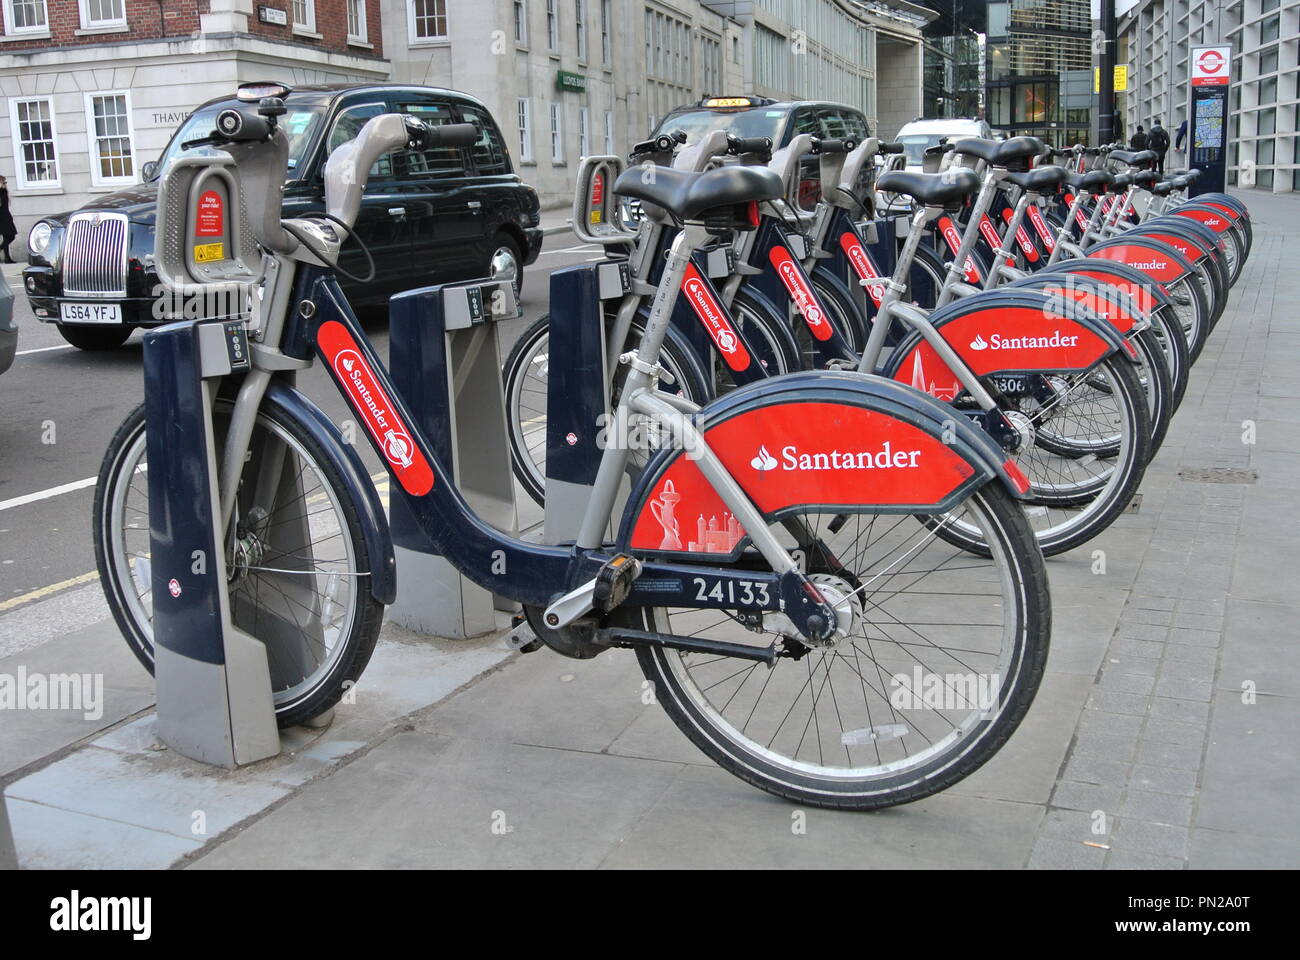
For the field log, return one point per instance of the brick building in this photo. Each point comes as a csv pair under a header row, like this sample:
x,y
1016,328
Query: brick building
x,y
92,89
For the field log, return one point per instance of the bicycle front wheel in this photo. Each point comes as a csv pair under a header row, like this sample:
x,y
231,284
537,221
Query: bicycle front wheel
x,y
297,564
939,659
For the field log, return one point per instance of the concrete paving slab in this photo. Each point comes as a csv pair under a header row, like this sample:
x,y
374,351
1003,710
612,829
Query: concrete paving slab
x,y
51,838
423,800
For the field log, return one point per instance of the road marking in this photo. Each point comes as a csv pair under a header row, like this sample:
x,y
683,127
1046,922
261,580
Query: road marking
x,y
583,248
46,591
47,494
381,487
61,346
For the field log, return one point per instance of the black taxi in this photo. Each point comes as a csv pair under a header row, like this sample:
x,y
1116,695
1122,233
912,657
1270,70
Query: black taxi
x,y
433,216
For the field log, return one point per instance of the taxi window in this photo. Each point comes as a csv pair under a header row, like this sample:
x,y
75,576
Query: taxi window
x,y
489,153
440,163
349,123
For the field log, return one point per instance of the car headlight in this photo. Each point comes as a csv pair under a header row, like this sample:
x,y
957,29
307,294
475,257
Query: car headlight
x,y
38,241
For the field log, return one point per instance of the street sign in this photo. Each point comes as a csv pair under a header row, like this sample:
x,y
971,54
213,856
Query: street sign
x,y
1120,75
1211,76
1211,66
572,82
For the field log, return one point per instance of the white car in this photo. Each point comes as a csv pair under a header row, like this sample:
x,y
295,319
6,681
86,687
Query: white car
x,y
920,134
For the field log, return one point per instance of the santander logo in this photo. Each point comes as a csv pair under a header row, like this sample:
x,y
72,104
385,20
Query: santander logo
x,y
715,322
763,461
371,402
800,292
884,458
862,265
999,342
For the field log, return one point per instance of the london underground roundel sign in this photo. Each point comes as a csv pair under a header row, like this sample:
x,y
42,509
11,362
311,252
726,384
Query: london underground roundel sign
x,y
1210,66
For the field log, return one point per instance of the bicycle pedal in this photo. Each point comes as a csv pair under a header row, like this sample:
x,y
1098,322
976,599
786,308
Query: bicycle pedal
x,y
614,581
521,636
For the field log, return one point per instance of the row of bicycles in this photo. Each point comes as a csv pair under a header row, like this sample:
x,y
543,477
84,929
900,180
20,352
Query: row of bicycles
x,y
856,438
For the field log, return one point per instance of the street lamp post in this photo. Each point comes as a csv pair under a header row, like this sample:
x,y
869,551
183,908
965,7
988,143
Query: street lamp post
x,y
1106,73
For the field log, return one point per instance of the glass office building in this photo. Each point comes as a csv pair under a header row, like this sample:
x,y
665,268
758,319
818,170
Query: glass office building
x,y
1264,109
1038,69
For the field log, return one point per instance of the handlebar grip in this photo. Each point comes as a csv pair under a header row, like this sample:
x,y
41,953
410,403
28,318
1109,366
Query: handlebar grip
x,y
448,135
738,145
242,126
838,145
894,147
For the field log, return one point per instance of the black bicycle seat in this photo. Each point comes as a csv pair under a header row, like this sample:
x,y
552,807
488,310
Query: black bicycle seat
x,y
931,189
1131,158
687,195
1164,188
1145,178
1090,181
1000,152
1040,180
1120,183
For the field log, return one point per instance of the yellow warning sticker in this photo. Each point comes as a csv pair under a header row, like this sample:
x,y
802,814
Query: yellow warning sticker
x,y
595,216
208,252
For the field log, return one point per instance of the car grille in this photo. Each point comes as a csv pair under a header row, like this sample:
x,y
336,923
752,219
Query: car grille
x,y
94,255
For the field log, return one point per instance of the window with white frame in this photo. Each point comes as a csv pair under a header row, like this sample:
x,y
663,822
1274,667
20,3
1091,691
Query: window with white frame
x,y
304,16
521,21
109,139
525,112
26,16
609,131
557,134
103,13
584,132
36,147
357,21
580,22
606,38
428,19
552,26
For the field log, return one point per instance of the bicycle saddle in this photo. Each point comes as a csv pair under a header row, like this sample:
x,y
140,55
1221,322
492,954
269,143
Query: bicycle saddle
x,y
687,195
1089,181
1131,158
931,189
1120,183
1145,178
1164,188
1041,180
1000,152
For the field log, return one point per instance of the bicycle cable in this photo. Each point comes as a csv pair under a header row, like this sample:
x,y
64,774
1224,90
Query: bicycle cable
x,y
323,258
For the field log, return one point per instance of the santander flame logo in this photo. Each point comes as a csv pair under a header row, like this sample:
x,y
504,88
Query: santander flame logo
x,y
763,460
979,343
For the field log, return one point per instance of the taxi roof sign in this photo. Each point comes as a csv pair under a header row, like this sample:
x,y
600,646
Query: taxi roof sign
x,y
734,101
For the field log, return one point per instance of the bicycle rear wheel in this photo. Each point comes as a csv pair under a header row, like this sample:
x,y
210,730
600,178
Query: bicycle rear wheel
x,y
939,662
297,564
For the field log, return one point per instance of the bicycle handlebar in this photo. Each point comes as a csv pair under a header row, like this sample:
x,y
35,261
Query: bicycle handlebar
x,y
663,143
837,145
739,145
894,147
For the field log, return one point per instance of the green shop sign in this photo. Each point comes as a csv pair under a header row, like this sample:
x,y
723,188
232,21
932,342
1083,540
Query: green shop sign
x,y
573,82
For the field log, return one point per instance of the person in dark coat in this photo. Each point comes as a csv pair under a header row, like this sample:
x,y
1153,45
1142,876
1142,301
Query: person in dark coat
x,y
1181,135
1139,140
7,229
1158,140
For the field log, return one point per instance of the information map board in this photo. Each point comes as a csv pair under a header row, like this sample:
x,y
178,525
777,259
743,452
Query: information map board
x,y
1211,79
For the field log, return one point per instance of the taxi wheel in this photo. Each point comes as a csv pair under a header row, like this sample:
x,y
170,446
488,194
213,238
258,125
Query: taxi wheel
x,y
94,338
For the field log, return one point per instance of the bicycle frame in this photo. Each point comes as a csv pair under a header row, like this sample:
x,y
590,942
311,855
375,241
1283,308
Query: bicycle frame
x,y
323,325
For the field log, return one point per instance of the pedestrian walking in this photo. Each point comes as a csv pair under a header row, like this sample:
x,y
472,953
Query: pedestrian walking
x,y
1139,140
1158,140
7,229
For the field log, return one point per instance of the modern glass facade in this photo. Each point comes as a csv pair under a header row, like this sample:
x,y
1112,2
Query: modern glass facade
x,y
1264,106
952,65
1038,69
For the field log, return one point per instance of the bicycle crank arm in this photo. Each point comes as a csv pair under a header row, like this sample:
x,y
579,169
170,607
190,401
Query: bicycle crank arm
x,y
621,637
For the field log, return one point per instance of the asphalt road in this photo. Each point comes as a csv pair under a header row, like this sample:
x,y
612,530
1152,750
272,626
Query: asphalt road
x,y
59,407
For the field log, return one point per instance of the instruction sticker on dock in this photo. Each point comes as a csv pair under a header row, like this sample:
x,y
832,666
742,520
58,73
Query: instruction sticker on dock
x,y
209,252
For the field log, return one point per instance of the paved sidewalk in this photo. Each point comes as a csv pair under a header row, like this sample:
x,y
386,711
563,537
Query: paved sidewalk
x,y
1163,735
